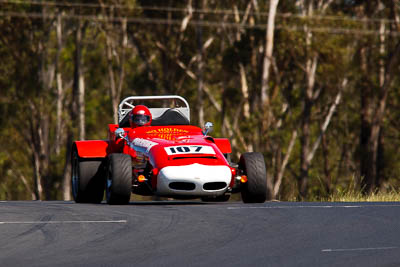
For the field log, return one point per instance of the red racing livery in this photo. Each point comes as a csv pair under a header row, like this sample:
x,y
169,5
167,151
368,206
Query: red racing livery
x,y
154,150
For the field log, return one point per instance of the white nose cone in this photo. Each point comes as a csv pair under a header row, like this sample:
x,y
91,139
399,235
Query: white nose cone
x,y
193,180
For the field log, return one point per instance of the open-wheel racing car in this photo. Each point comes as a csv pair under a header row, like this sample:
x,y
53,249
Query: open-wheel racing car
x,y
168,157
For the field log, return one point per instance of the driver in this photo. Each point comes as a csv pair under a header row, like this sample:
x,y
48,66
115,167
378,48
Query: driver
x,y
139,116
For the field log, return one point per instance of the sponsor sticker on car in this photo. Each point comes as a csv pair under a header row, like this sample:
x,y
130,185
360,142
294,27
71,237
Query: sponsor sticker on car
x,y
142,143
189,149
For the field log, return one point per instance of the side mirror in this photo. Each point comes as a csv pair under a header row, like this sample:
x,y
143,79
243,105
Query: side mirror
x,y
119,133
208,128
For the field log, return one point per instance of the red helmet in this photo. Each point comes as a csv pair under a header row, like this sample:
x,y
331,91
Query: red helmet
x,y
140,116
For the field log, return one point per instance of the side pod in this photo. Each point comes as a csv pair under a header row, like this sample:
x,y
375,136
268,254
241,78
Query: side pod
x,y
224,145
92,148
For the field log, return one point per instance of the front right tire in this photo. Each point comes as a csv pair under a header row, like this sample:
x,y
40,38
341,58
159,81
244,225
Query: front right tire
x,y
119,179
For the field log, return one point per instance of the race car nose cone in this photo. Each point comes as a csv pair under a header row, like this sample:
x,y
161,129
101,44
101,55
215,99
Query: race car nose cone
x,y
196,174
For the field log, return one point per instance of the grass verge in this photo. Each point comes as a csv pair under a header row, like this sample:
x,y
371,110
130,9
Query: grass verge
x,y
353,196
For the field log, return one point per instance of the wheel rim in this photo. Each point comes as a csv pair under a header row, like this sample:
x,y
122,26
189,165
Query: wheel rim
x,y
75,176
109,183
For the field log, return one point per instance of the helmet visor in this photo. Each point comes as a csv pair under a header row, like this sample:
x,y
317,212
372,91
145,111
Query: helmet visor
x,y
139,119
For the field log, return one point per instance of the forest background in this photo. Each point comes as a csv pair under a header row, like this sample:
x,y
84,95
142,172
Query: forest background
x,y
312,84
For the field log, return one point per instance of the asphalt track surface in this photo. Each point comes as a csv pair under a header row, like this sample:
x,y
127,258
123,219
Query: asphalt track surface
x,y
199,234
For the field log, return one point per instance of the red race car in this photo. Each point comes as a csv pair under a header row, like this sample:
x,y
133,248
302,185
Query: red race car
x,y
155,151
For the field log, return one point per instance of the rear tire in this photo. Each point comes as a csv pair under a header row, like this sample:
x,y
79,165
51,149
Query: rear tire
x,y
119,179
87,179
253,166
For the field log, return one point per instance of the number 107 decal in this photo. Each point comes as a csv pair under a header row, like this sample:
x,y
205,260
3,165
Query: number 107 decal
x,y
175,150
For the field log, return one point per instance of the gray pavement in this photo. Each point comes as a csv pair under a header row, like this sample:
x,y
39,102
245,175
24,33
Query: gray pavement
x,y
199,234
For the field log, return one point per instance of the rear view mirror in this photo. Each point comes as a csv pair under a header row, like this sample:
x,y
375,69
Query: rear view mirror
x,y
208,128
119,133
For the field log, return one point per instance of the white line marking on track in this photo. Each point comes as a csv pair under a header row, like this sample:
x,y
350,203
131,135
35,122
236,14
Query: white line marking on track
x,y
313,207
356,249
61,222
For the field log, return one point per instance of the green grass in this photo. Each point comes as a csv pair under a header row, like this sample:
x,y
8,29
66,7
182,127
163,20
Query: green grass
x,y
353,193
356,196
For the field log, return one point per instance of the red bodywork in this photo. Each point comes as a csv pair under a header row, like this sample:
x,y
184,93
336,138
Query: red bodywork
x,y
146,145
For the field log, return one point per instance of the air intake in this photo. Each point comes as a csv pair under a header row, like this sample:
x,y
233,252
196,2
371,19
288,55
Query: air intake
x,y
214,186
182,186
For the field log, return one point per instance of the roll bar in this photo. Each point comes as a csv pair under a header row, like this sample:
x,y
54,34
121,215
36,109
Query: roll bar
x,y
127,105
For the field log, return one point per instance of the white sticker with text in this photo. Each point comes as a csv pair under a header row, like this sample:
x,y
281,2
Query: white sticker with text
x,y
176,150
146,144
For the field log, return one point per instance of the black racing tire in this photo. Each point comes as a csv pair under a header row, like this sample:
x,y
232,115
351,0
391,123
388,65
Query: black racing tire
x,y
223,198
119,179
87,179
253,166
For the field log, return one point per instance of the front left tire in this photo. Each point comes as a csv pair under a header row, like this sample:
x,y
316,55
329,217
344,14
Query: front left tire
x,y
253,166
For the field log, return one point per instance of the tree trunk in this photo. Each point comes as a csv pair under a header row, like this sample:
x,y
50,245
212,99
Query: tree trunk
x,y
67,168
305,145
278,180
380,162
269,44
200,67
116,84
327,170
245,92
311,67
309,96
371,120
60,90
266,116
78,112
366,171
113,87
